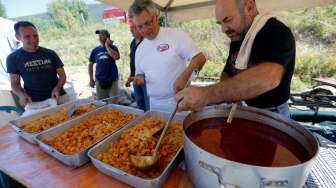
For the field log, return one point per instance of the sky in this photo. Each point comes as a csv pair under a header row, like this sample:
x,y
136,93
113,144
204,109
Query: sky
x,y
17,8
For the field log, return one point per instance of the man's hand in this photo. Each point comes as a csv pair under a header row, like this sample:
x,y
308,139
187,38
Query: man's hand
x,y
24,99
55,93
92,83
108,42
129,81
139,80
180,83
192,98
113,53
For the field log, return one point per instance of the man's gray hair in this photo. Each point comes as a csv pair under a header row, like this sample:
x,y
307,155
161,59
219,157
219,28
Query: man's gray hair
x,y
140,5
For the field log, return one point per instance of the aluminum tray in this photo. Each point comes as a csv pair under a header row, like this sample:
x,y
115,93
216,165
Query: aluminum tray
x,y
126,177
30,137
77,160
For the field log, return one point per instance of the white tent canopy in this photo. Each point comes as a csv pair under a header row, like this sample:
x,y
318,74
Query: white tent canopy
x,y
197,9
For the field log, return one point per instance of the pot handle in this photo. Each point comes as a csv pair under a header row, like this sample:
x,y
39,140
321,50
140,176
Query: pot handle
x,y
216,171
263,182
273,183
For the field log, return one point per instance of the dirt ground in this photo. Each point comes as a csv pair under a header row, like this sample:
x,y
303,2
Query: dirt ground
x,y
78,78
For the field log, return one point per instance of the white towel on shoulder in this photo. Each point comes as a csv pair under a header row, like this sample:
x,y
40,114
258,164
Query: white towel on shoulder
x,y
246,47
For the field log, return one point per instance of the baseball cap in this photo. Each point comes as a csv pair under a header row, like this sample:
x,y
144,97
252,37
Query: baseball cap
x,y
103,31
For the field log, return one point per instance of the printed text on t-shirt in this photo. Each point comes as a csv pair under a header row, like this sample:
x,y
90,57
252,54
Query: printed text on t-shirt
x,y
37,65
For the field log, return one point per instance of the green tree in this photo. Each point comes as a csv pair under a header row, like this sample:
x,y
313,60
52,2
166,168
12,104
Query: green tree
x,y
2,10
314,24
41,23
68,13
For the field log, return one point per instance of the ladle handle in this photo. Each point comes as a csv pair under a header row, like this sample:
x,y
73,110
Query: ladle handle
x,y
193,74
232,112
165,130
116,97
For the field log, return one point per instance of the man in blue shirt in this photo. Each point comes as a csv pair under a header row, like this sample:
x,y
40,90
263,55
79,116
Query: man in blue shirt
x,y
40,68
106,75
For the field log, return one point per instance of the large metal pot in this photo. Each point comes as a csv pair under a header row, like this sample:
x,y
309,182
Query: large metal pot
x,y
208,170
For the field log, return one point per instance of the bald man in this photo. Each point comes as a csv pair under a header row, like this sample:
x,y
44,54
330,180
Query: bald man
x,y
266,81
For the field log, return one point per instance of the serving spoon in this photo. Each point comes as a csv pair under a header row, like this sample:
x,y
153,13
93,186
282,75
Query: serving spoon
x,y
147,162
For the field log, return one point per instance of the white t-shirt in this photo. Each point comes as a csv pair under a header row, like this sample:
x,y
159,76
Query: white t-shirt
x,y
162,60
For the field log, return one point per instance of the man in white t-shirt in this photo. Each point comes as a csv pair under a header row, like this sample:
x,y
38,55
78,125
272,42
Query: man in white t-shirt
x,y
161,58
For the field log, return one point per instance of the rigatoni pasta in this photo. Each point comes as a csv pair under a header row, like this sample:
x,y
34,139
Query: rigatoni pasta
x,y
60,116
139,141
46,122
89,131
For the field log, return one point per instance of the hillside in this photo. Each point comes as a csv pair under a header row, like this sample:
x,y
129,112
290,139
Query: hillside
x,y
95,13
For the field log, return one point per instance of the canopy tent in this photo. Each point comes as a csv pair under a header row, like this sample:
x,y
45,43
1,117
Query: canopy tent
x,y
178,10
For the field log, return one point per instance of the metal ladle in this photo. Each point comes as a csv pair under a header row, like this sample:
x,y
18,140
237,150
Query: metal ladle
x,y
147,162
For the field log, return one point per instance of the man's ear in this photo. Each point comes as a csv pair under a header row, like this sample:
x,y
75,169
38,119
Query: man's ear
x,y
17,36
250,5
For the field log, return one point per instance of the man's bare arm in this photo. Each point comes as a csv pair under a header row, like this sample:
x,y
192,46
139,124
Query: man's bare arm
x,y
245,85
224,76
114,54
90,70
197,63
16,85
61,78
18,90
61,81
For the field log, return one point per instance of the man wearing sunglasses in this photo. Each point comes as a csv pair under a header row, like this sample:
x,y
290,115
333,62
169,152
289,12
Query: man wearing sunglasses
x,y
161,58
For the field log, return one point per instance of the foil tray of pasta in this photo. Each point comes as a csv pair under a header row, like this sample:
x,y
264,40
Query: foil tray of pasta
x,y
70,142
112,156
29,126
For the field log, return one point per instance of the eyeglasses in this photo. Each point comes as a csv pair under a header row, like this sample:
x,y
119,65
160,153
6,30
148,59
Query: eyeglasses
x,y
146,24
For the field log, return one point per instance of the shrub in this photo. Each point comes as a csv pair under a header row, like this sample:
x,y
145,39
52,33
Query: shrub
x,y
315,65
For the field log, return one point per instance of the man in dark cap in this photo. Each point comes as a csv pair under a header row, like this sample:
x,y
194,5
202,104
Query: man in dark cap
x,y
106,76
